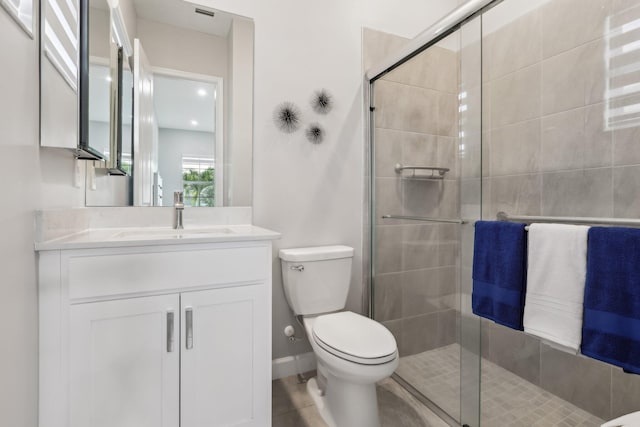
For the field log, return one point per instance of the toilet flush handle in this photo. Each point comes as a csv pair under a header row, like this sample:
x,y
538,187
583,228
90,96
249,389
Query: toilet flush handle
x,y
299,268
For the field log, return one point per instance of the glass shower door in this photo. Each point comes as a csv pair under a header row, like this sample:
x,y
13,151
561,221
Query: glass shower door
x,y
425,179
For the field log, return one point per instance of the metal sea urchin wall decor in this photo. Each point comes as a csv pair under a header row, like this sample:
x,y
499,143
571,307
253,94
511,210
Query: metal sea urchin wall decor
x,y
322,101
314,133
287,117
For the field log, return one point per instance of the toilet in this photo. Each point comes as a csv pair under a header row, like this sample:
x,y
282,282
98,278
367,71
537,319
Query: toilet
x,y
352,351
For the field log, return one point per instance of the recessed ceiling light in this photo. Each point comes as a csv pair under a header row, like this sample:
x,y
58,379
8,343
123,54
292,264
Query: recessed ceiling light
x,y
194,123
202,92
108,78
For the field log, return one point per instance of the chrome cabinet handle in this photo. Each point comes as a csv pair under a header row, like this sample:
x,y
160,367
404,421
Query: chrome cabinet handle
x,y
299,268
188,314
170,323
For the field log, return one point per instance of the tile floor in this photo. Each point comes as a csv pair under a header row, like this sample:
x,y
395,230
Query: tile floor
x,y
293,407
506,400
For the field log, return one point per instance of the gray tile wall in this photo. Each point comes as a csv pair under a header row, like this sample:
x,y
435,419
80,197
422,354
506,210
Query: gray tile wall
x,y
549,151
416,123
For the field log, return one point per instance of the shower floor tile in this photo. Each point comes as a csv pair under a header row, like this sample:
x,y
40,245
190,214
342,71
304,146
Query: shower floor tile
x,y
506,400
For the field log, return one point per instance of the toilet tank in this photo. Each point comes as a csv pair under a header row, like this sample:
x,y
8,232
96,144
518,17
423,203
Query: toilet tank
x,y
316,280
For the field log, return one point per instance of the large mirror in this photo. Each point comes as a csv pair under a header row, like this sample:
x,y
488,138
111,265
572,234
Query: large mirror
x,y
170,104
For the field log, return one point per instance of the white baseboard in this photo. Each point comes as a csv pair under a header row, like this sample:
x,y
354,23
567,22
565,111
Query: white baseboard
x,y
292,365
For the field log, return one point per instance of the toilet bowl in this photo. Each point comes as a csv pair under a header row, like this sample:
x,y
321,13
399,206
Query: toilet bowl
x,y
353,352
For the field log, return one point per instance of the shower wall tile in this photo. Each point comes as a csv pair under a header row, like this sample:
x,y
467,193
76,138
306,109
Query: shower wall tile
x,y
515,97
395,327
422,197
388,194
467,239
423,292
563,140
625,146
448,252
448,156
625,390
447,114
558,160
574,78
436,69
595,72
448,285
562,83
598,140
419,333
449,200
388,151
470,110
578,193
516,148
519,194
523,32
407,108
470,156
449,232
515,351
388,250
584,382
419,149
626,195
624,5
488,43
419,247
377,46
448,327
570,23
388,296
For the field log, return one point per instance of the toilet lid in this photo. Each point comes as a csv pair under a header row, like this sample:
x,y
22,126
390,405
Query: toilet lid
x,y
354,337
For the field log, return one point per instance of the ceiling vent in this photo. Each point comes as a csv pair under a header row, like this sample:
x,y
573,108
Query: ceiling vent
x,y
209,13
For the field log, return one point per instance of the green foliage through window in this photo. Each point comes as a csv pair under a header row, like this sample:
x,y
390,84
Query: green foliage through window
x,y
199,187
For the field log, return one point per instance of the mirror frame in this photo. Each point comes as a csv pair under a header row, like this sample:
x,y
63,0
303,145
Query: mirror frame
x,y
114,163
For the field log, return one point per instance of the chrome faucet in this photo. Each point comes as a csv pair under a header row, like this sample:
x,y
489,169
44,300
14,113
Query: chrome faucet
x,y
178,204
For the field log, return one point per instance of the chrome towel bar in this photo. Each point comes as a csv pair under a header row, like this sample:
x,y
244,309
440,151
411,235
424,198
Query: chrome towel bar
x,y
630,222
420,218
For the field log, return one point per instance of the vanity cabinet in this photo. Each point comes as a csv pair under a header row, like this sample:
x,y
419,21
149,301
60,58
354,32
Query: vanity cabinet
x,y
171,336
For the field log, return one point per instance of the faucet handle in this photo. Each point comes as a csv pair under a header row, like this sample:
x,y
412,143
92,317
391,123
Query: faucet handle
x,y
178,199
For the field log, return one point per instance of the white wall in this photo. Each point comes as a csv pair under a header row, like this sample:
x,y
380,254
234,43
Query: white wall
x,y
32,178
313,194
171,47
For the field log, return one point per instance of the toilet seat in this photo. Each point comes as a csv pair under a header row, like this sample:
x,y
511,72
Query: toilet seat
x,y
355,338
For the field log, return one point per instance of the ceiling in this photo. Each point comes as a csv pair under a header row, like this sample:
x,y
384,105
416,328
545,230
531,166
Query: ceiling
x,y
178,102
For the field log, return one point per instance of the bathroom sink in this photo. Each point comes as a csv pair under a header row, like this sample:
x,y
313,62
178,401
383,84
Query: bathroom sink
x,y
169,233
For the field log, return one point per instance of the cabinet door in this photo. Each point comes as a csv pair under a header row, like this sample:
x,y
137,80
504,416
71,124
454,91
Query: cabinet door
x,y
124,368
225,377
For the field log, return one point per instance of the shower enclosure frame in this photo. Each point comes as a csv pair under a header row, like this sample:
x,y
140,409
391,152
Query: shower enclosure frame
x,y
428,38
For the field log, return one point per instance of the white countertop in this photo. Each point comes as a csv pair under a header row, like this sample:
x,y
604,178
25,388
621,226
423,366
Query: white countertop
x,y
148,236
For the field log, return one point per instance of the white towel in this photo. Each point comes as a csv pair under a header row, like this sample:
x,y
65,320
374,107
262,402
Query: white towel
x,y
556,272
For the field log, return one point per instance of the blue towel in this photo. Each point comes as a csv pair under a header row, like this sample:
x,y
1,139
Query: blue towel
x,y
611,328
499,272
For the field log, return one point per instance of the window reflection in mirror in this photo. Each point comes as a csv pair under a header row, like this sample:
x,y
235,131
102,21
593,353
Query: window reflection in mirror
x,y
189,144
